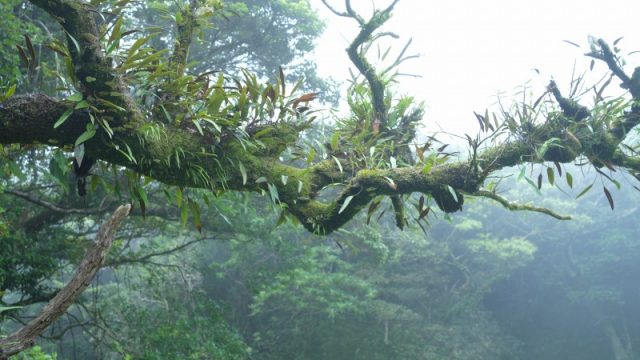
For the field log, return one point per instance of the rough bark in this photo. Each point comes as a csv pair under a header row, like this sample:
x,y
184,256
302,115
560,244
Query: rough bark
x,y
93,260
181,156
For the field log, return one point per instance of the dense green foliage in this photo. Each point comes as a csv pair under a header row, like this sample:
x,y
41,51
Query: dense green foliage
x,y
480,287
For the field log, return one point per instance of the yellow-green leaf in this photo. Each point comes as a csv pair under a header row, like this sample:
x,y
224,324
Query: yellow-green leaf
x,y
550,175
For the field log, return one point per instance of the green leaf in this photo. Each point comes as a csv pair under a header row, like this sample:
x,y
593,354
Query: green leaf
x,y
345,203
372,208
110,104
10,91
143,194
75,97
334,141
7,308
88,134
243,172
609,197
195,211
550,175
105,125
528,180
570,180
338,163
137,44
273,192
82,105
74,41
184,215
584,191
453,193
179,197
63,118
197,124
546,145
539,181
311,155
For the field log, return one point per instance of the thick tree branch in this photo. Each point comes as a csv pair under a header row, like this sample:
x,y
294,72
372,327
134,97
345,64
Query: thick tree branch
x,y
29,119
94,70
93,260
185,157
156,157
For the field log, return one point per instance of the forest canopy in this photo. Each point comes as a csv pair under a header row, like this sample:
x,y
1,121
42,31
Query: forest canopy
x,y
184,102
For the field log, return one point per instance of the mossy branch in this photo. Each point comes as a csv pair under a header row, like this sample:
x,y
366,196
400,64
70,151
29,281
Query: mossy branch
x,y
367,28
513,206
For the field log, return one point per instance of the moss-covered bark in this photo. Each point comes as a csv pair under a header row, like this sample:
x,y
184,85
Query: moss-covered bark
x,y
184,157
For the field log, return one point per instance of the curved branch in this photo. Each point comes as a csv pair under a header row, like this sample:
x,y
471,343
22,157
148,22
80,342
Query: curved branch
x,y
513,206
611,59
364,67
93,260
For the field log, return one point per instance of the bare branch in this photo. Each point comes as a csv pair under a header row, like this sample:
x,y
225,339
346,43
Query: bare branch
x,y
352,13
519,207
390,7
142,259
611,59
93,260
54,207
333,10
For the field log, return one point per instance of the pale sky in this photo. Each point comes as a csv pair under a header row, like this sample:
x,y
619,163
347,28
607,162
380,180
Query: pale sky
x,y
471,50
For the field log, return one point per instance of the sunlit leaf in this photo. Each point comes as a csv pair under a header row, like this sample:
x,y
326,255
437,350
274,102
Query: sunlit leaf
x,y
75,97
243,172
345,203
9,93
337,163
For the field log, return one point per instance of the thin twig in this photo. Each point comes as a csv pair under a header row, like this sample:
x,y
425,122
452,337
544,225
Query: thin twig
x,y
53,207
513,206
